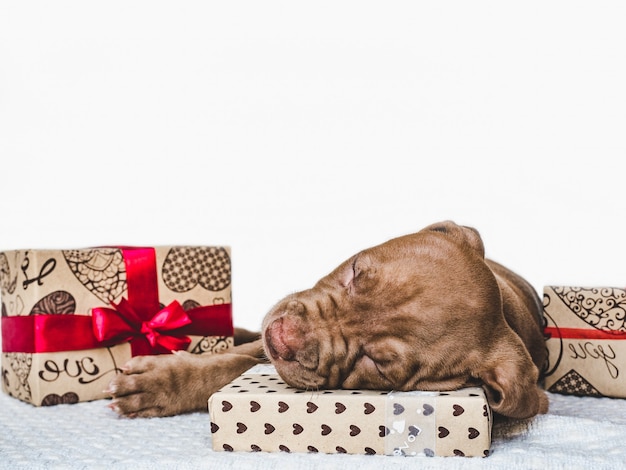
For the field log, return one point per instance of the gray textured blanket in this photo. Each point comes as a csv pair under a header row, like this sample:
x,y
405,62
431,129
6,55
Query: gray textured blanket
x,y
586,433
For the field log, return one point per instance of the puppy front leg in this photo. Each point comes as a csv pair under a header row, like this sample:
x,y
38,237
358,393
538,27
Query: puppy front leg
x,y
181,382
243,336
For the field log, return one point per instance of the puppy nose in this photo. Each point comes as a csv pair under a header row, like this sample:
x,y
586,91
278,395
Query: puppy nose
x,y
286,334
283,338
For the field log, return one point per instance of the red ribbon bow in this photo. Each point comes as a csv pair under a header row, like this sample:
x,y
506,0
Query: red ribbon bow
x,y
121,323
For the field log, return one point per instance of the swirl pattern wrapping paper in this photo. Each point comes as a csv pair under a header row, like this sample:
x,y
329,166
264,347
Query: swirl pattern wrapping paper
x,y
585,331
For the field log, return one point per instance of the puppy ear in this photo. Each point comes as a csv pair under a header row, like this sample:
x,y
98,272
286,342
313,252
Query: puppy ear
x,y
510,379
472,236
461,234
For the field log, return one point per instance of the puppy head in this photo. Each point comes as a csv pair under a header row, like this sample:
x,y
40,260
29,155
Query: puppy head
x,y
420,312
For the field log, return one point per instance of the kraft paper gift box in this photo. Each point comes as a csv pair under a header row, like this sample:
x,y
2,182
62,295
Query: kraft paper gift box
x,y
585,329
72,318
259,412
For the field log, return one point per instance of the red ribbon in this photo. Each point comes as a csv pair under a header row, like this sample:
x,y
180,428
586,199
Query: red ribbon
x,y
47,333
583,333
140,319
54,333
122,323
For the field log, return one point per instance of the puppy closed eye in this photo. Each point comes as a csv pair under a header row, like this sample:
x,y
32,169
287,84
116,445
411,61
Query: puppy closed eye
x,y
362,271
356,269
353,273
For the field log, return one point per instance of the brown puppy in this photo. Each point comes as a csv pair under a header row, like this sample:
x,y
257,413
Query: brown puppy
x,y
425,311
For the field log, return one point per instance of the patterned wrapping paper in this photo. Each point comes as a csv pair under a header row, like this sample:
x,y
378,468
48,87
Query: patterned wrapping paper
x,y
259,412
585,329
50,299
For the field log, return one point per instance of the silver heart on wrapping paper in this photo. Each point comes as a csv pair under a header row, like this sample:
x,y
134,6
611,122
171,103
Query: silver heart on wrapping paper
x,y
102,271
603,308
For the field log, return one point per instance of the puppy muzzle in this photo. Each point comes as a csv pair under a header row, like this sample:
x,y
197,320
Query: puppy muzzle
x,y
291,337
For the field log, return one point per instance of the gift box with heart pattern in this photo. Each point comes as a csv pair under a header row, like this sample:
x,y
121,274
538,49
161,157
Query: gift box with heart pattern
x,y
259,412
585,329
72,318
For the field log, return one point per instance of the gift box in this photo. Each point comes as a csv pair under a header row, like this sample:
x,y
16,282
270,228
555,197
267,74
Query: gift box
x,y
585,329
72,318
259,412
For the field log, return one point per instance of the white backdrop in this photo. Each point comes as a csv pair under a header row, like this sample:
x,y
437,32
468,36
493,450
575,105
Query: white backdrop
x,y
299,133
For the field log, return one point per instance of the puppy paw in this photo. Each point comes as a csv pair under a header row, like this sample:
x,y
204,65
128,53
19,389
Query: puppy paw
x,y
148,386
171,384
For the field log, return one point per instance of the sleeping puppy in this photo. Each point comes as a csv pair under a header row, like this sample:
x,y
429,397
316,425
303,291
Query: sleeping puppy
x,y
421,312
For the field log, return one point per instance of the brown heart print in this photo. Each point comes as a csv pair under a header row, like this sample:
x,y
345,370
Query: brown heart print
x,y
282,406
458,410
186,267
102,271
241,428
311,407
190,304
443,432
226,406
68,398
297,429
269,429
473,433
58,302
354,430
369,408
326,430
254,406
339,408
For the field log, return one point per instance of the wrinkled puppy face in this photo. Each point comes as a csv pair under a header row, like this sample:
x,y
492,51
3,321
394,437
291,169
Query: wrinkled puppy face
x,y
417,312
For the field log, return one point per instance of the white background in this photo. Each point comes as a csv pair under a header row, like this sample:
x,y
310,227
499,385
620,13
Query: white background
x,y
300,133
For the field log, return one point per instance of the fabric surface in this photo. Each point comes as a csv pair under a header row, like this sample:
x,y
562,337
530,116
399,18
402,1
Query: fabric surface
x,y
577,433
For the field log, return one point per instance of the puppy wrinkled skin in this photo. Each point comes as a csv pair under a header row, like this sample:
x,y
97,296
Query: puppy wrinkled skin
x,y
421,312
